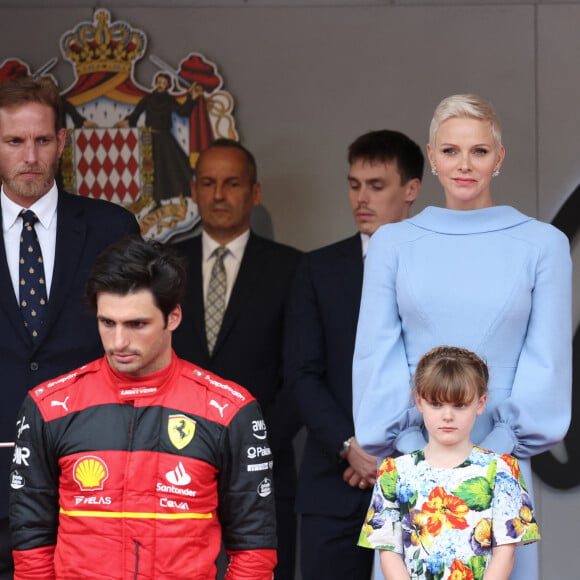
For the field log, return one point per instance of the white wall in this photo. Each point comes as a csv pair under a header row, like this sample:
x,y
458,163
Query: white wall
x,y
310,76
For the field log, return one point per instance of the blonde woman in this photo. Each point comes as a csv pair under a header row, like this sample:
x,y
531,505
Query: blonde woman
x,y
480,276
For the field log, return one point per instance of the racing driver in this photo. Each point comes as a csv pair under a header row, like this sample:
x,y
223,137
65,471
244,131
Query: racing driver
x,y
135,465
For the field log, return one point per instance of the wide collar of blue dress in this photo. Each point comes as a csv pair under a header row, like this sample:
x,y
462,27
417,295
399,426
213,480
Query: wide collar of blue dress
x,y
449,221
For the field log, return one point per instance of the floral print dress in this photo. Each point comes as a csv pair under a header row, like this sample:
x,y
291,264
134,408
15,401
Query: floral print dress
x,y
445,521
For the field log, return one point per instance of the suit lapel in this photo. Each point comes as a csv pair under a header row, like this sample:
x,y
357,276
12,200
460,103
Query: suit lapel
x,y
352,249
195,283
248,276
351,266
70,243
352,252
8,300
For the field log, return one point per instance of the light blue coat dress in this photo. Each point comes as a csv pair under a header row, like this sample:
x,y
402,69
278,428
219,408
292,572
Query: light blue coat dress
x,y
493,281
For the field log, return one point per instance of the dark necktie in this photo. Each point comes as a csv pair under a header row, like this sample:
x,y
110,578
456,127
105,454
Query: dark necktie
x,y
32,281
216,298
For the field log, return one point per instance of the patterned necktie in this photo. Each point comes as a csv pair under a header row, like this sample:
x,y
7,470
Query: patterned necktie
x,y
32,282
216,298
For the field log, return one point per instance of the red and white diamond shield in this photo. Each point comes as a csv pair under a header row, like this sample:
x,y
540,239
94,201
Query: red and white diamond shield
x,y
107,164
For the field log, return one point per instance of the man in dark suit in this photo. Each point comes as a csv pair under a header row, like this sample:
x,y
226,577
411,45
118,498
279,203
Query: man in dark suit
x,y
243,342
336,475
71,231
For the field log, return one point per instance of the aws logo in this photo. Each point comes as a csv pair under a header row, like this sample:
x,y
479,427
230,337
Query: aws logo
x,y
90,473
558,474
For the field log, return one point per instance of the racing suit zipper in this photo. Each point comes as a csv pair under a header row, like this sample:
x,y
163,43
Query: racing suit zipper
x,y
136,560
131,434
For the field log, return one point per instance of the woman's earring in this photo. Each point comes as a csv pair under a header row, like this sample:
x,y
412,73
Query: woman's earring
x,y
495,172
434,170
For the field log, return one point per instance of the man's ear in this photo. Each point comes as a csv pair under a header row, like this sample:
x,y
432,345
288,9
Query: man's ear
x,y
174,318
256,193
61,141
412,188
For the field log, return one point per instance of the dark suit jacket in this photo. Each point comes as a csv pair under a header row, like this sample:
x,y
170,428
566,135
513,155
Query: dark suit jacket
x,y
69,336
322,320
248,348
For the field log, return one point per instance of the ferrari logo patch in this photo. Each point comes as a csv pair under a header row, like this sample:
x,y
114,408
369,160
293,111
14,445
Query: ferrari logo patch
x,y
181,430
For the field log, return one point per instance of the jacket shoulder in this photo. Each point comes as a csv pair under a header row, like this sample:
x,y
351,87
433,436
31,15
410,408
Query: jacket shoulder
x,y
95,207
190,250
274,248
541,233
398,233
348,245
216,385
62,383
186,246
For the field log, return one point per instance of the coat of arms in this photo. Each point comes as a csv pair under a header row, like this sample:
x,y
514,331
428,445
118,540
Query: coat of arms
x,y
128,144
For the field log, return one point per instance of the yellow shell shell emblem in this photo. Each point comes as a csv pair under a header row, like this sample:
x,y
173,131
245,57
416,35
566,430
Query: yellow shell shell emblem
x,y
181,430
90,473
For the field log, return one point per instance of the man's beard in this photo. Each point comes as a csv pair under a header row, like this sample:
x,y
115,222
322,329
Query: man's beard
x,y
31,187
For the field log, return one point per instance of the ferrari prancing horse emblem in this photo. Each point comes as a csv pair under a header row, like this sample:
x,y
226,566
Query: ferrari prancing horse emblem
x,y
181,430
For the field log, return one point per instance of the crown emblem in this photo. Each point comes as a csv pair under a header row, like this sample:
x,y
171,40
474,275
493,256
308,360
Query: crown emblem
x,y
103,47
90,473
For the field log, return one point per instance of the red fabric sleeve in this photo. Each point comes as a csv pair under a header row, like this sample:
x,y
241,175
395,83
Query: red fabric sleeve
x,y
34,564
251,565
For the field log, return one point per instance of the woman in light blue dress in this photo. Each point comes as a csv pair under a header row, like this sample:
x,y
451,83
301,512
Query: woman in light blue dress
x,y
480,276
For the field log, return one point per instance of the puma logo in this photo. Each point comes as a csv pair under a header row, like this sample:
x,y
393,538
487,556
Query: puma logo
x,y
220,408
60,404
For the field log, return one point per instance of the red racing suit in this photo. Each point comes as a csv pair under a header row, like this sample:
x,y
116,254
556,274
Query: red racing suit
x,y
121,477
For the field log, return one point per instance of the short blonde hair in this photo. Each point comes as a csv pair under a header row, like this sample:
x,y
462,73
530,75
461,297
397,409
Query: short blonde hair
x,y
449,374
465,107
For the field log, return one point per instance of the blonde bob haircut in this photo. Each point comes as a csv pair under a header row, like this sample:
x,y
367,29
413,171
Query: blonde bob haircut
x,y
465,107
448,374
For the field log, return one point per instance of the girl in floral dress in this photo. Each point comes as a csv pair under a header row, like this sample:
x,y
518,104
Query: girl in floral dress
x,y
451,510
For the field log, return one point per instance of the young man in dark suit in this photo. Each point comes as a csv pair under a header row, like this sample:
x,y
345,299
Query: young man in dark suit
x,y
233,312
71,231
336,475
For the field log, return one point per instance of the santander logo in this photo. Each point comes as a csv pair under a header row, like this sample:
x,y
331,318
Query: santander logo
x,y
178,476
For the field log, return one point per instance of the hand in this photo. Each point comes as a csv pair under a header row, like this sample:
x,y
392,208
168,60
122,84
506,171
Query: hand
x,y
362,469
195,90
353,478
120,124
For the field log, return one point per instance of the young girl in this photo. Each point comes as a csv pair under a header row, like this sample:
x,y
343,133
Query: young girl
x,y
452,510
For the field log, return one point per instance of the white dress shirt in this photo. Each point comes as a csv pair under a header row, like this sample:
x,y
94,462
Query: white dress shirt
x,y
364,238
45,210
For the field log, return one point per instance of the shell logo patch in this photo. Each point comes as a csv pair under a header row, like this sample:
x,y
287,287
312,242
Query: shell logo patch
x,y
90,473
181,430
